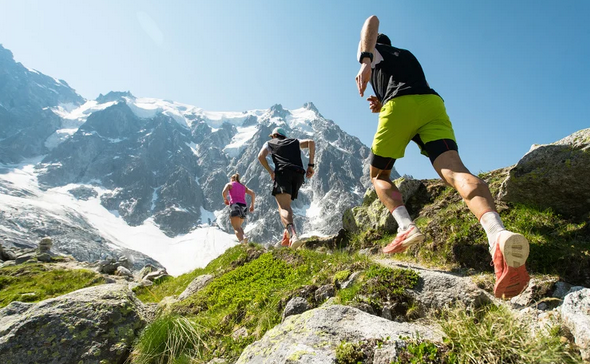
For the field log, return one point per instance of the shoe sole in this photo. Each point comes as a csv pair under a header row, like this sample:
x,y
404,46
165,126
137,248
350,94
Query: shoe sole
x,y
412,240
512,283
515,250
297,244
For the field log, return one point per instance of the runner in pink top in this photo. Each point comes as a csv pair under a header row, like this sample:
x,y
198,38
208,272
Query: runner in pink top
x,y
237,204
237,193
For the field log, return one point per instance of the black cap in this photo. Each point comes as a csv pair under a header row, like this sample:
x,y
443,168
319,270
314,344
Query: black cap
x,y
383,39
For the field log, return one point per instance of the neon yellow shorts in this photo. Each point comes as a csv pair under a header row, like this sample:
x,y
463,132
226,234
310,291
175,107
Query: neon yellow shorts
x,y
418,117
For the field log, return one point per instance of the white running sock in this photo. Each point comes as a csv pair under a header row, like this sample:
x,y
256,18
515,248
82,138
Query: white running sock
x,y
402,217
492,224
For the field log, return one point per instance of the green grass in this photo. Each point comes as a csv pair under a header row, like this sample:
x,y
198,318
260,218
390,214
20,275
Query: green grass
x,y
170,286
34,282
169,339
251,294
493,335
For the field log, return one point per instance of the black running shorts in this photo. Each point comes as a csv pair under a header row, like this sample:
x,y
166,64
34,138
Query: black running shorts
x,y
288,181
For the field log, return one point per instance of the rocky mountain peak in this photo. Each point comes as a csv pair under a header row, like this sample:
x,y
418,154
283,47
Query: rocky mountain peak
x,y
114,96
277,111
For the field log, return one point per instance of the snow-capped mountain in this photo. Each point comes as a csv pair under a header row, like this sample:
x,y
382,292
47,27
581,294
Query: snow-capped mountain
x,y
153,164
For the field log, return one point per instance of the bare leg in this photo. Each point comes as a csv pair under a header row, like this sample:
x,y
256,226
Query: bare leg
x,y
472,189
386,190
236,223
285,211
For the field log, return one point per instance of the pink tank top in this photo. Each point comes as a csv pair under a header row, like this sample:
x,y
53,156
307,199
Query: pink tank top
x,y
237,193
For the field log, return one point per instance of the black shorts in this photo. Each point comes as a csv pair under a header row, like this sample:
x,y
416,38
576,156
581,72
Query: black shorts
x,y
431,149
288,181
238,210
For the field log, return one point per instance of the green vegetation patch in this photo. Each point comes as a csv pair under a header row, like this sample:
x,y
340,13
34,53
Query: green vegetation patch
x,y
246,298
493,335
382,287
419,351
35,282
354,353
455,240
170,286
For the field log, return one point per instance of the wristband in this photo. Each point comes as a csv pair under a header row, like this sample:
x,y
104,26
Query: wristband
x,y
364,55
310,165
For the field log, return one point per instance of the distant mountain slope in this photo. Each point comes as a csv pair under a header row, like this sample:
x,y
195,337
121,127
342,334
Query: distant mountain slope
x,y
150,161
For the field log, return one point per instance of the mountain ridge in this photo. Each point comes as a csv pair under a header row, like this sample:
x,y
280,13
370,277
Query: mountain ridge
x,y
153,162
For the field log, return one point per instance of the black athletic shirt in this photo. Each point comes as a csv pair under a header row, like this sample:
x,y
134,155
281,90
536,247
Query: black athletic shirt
x,y
286,154
399,73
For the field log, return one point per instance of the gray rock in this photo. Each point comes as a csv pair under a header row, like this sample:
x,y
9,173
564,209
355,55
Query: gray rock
x,y
295,306
540,176
240,333
148,268
154,276
575,313
123,272
45,257
217,361
108,266
350,281
91,325
561,289
324,292
195,286
45,245
439,290
313,336
6,254
20,259
372,214
386,353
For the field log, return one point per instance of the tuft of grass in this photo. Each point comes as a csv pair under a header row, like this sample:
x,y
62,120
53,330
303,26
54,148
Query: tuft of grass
x,y
34,282
493,335
168,340
419,351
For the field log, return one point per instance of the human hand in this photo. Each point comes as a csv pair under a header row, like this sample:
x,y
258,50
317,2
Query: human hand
x,y
272,175
225,201
374,104
251,208
363,77
309,172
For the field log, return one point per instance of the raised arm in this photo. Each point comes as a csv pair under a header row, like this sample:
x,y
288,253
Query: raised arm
x,y
369,34
224,193
252,196
309,144
262,159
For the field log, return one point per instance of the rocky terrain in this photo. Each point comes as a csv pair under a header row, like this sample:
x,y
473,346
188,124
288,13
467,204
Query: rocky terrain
x,y
337,300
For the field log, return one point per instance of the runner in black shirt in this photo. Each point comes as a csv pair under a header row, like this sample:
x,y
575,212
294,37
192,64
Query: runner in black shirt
x,y
409,110
287,176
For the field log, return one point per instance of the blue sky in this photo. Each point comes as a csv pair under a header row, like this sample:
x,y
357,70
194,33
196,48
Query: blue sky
x,y
512,73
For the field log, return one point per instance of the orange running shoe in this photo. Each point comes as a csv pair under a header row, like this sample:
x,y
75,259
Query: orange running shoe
x,y
286,241
404,240
510,254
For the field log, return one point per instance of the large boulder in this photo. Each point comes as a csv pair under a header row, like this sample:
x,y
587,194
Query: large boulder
x,y
575,313
372,214
553,176
91,325
313,336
